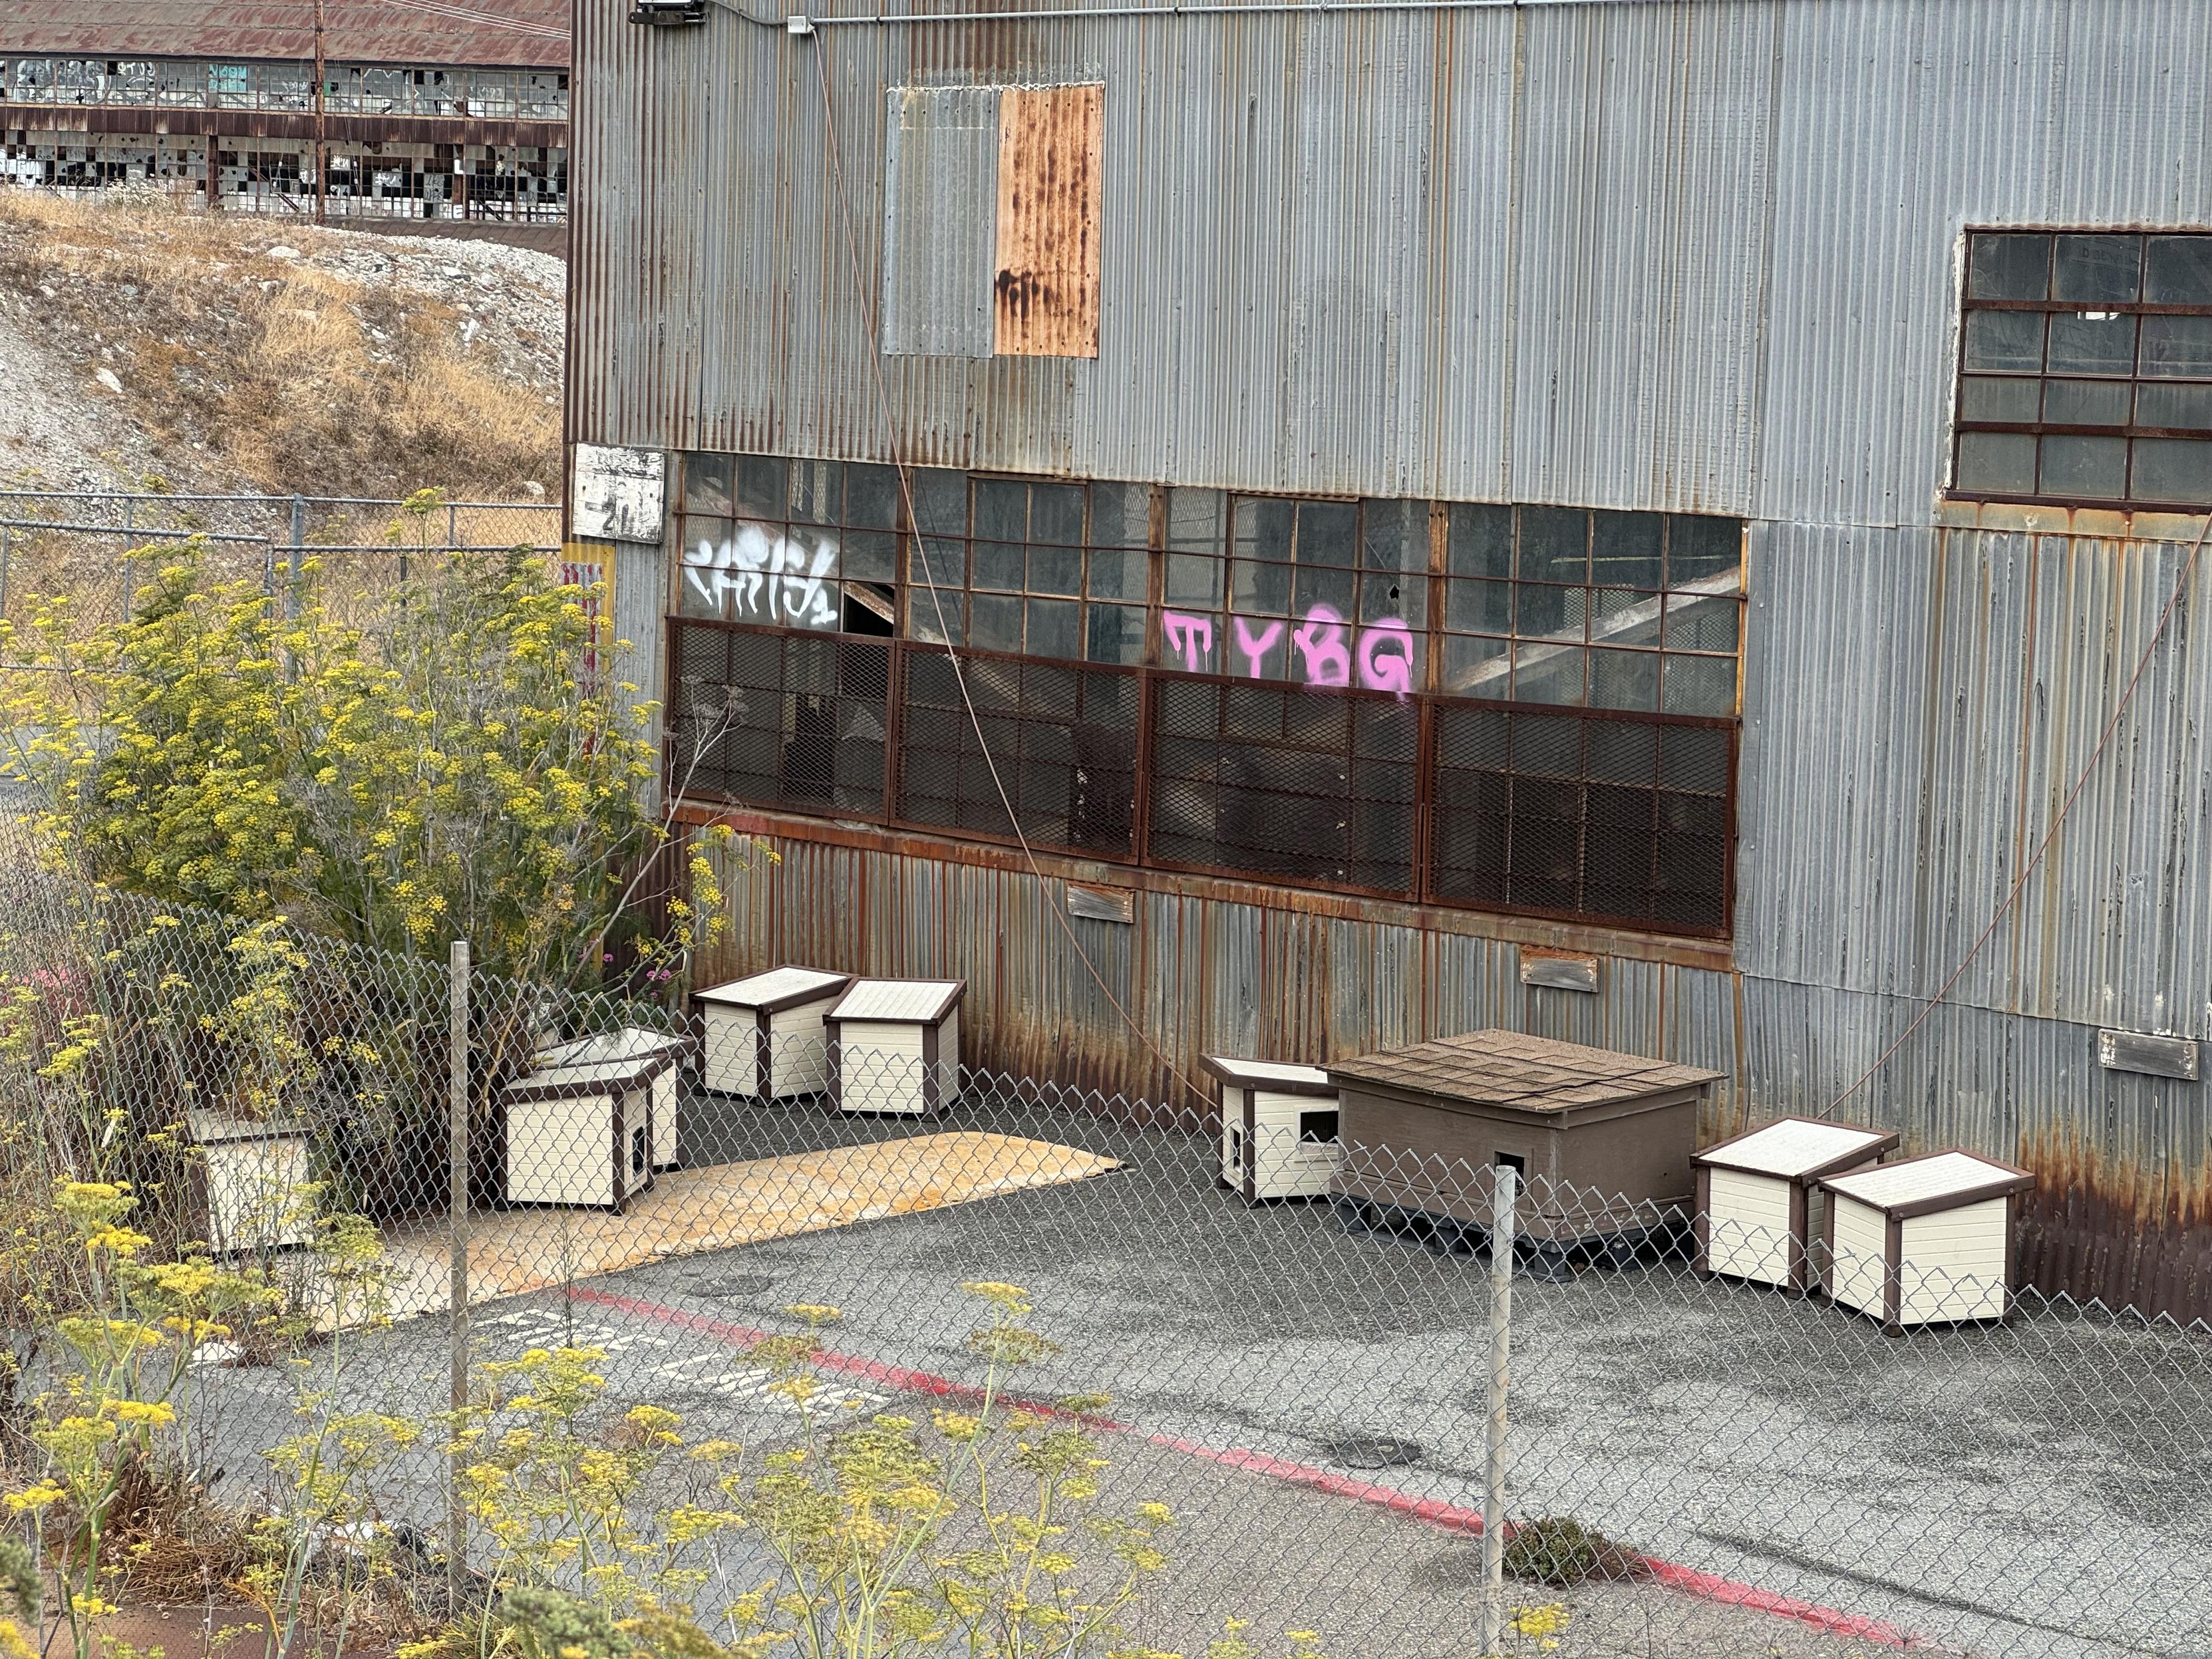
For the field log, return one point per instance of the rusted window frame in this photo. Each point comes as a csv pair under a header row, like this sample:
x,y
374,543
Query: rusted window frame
x,y
1153,677
1960,426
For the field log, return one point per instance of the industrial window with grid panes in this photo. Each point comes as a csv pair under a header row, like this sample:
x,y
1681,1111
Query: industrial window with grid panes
x,y
2086,370
1290,688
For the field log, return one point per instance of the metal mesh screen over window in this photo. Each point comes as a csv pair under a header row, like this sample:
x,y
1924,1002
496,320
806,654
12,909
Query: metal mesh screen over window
x,y
1064,740
1569,815
782,720
1276,781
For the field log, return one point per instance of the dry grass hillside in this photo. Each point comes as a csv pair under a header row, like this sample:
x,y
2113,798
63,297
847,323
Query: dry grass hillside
x,y
141,339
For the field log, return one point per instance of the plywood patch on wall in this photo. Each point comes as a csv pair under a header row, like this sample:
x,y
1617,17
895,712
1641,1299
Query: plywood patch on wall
x,y
1045,297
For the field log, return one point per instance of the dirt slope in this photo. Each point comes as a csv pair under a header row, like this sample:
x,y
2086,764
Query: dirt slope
x,y
139,340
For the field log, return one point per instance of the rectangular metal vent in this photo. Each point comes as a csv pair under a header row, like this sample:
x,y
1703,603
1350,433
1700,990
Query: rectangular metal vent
x,y
1559,973
2158,1056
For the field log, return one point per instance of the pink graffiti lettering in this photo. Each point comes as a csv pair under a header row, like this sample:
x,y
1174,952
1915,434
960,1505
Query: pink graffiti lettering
x,y
1395,671
1192,636
1322,643
1253,647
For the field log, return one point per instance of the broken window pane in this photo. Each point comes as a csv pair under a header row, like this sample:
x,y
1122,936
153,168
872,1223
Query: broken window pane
x,y
2093,467
2011,341
2009,267
2180,270
2001,462
2106,268
1995,398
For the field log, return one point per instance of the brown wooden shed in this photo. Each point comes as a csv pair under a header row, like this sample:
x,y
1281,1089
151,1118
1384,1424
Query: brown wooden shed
x,y
1601,1140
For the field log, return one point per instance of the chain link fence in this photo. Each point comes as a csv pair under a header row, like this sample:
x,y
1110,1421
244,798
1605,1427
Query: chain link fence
x,y
99,547
1305,1382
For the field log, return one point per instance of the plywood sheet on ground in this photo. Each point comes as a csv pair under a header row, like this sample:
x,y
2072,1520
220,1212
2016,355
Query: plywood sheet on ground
x,y
694,1210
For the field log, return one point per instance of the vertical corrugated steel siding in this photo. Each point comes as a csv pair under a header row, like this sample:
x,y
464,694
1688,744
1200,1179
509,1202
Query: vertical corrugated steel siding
x,y
1200,976
1703,257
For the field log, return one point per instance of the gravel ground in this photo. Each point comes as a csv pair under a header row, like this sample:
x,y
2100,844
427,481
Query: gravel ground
x,y
63,427
2033,1489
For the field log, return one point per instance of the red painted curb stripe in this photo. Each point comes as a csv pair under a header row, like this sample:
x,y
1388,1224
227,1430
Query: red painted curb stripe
x,y
1433,1511
874,1371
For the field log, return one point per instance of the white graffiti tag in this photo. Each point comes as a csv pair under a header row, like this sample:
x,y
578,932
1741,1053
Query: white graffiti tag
x,y
768,577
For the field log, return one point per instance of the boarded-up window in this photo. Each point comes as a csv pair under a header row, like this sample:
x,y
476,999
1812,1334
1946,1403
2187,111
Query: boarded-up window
x,y
991,220
1045,297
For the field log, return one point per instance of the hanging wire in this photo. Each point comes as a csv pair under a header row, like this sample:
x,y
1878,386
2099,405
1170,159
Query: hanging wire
x,y
905,473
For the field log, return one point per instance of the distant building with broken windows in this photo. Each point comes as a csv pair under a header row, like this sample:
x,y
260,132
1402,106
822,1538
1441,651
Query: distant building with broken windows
x,y
425,110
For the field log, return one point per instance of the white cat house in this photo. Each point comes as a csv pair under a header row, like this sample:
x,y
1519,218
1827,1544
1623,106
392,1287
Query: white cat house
x,y
1925,1240
765,1036
1758,1204
895,1046
1278,1128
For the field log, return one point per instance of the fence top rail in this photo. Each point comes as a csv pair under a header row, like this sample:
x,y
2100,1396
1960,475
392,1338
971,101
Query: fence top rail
x,y
165,533
269,500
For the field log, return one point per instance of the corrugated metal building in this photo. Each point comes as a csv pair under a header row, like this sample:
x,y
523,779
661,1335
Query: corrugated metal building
x,y
426,110
1426,489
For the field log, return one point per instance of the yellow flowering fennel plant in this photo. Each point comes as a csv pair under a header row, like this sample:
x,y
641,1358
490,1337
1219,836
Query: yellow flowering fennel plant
x,y
122,1382
464,766
326,1507
975,1530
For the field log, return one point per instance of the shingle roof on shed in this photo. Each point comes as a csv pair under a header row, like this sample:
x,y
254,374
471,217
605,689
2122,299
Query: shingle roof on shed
x,y
1508,1068
490,34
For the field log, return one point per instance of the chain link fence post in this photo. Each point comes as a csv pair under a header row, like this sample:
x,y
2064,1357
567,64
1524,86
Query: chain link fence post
x,y
1502,1230
292,558
457,1199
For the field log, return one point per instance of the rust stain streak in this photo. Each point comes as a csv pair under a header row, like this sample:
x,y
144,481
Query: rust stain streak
x,y
1045,297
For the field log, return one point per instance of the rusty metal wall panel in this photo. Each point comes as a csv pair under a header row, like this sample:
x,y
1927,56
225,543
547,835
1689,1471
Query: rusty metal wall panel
x,y
940,193
1688,256
1917,704
2119,1155
1899,126
1044,293
1641,180
501,34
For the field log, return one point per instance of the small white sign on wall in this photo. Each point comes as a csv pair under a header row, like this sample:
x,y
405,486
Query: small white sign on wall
x,y
618,495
